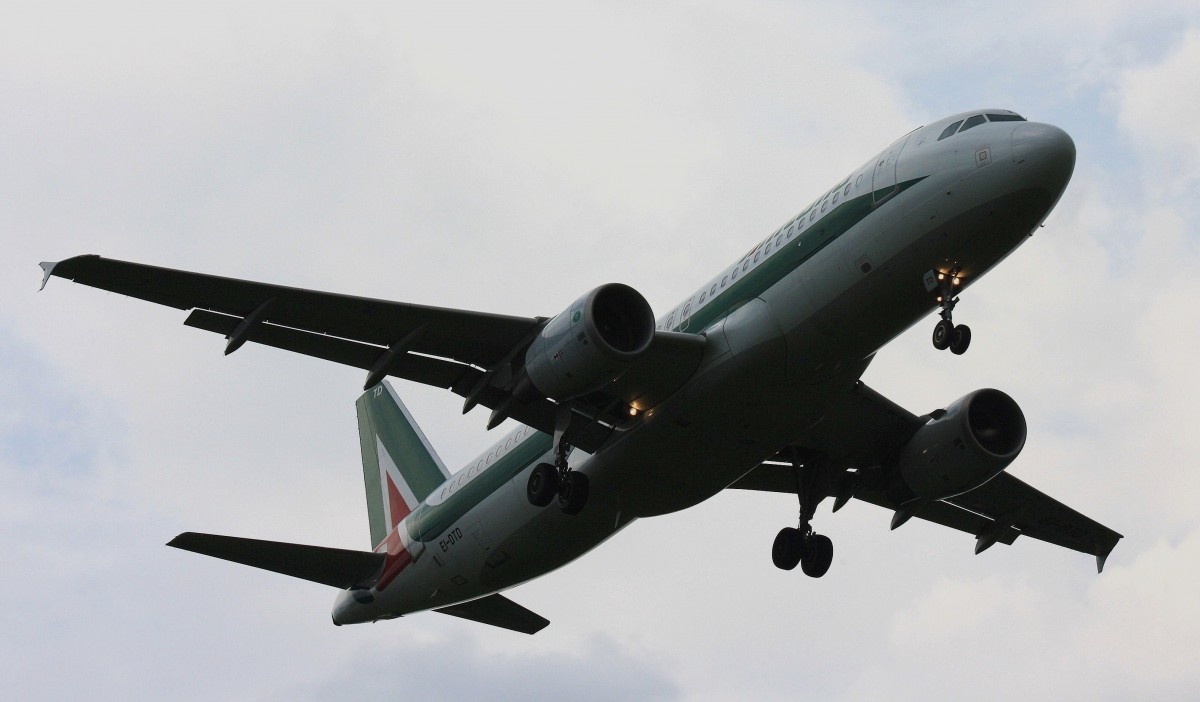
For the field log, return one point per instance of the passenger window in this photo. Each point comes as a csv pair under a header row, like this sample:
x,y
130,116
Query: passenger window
x,y
779,238
702,295
949,131
825,203
1005,118
671,321
972,121
714,288
723,279
835,197
846,192
858,180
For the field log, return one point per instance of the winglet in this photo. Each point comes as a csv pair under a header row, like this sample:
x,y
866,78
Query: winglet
x,y
47,271
1103,550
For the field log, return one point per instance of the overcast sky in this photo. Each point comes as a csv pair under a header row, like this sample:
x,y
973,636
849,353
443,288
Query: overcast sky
x,y
509,160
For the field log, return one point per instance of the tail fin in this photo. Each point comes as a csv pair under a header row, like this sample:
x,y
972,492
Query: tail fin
x,y
400,467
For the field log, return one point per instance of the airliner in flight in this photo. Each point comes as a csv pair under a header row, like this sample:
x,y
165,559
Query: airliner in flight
x,y
751,382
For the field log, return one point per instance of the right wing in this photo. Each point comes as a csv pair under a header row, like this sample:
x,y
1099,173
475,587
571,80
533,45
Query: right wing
x,y
473,354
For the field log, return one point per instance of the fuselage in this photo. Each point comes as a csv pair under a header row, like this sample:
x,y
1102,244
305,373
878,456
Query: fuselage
x,y
791,323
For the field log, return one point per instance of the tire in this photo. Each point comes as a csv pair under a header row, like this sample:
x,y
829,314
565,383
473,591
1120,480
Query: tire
x,y
960,339
785,552
573,493
942,333
820,556
543,484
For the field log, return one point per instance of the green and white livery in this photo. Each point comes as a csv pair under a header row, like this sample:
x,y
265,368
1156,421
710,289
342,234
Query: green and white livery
x,y
750,382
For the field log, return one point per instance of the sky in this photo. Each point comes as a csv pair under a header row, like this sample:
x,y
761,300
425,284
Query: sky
x,y
508,158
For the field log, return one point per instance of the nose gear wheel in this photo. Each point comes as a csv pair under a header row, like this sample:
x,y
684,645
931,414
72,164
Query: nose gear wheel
x,y
947,334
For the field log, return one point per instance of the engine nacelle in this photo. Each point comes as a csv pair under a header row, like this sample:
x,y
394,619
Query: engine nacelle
x,y
591,343
960,448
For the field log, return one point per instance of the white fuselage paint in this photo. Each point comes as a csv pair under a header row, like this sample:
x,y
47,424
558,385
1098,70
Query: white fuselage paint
x,y
773,360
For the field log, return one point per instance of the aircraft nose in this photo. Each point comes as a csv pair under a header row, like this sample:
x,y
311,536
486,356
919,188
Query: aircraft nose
x,y
1044,152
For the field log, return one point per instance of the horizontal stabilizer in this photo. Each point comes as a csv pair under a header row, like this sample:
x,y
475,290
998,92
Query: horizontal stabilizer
x,y
500,611
335,567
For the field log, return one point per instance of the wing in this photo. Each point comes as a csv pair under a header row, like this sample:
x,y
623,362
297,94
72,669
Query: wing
x,y
473,354
864,430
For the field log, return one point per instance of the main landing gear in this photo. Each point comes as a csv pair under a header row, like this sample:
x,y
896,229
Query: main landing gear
x,y
802,546
946,334
546,480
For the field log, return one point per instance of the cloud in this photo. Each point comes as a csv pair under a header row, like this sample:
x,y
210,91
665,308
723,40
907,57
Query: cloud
x,y
457,667
508,160
1158,102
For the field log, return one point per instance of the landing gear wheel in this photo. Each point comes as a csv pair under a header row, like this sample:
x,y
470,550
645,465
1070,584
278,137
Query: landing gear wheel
x,y
573,493
543,484
818,556
788,546
960,339
942,334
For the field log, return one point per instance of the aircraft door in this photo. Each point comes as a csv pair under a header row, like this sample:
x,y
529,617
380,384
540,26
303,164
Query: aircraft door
x,y
883,179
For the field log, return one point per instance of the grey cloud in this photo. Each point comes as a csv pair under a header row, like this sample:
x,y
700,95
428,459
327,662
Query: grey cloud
x,y
458,668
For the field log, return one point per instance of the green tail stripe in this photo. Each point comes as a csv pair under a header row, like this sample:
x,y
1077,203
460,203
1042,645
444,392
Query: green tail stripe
x,y
382,416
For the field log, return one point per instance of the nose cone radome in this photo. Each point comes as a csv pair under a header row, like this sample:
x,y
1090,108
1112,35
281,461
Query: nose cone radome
x,y
1045,153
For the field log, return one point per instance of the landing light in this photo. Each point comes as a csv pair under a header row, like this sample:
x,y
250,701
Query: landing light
x,y
941,276
957,281
633,411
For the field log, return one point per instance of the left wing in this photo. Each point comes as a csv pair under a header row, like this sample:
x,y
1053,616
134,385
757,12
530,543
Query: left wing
x,y
864,430
473,354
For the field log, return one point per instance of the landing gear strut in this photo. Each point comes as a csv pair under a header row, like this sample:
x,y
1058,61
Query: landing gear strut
x,y
946,334
546,480
802,546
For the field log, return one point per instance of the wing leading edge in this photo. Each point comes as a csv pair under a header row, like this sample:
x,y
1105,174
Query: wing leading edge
x,y
863,431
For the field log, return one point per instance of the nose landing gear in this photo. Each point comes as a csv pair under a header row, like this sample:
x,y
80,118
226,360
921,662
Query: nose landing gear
x,y
946,334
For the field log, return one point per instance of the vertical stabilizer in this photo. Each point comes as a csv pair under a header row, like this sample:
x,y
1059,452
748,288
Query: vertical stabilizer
x,y
400,467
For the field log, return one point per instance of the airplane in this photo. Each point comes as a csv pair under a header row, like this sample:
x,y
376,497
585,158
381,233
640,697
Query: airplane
x,y
752,382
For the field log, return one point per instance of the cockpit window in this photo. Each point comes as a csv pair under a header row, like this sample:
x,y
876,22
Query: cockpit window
x,y
1005,118
949,131
972,121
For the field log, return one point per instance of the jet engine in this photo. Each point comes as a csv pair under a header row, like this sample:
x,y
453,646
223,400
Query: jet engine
x,y
591,343
960,447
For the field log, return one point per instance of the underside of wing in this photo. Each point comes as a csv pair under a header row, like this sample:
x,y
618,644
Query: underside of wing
x,y
478,356
469,337
864,442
